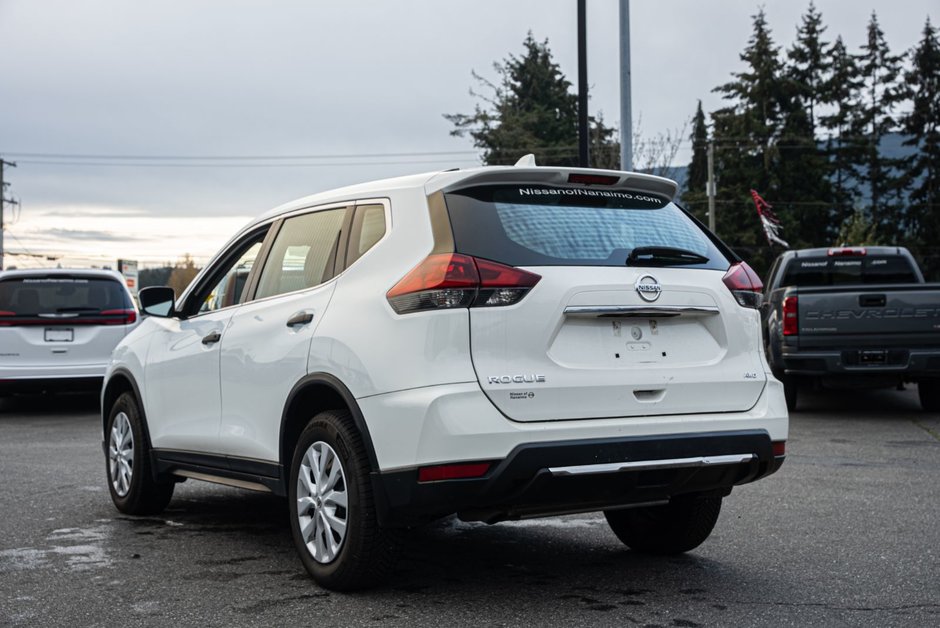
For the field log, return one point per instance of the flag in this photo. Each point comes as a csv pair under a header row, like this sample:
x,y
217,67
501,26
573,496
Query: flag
x,y
769,220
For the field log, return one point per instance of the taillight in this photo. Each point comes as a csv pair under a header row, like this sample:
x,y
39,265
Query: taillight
x,y
791,313
744,284
122,317
451,280
4,323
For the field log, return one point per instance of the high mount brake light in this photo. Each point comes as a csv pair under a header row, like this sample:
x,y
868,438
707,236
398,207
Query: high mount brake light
x,y
848,251
452,280
744,284
791,319
592,179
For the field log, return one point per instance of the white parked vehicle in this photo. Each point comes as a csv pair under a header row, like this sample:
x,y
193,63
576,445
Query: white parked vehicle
x,y
499,343
59,326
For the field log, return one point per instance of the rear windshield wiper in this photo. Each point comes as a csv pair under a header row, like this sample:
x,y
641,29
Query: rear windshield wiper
x,y
663,256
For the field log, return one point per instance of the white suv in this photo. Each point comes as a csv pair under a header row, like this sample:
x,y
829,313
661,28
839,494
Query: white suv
x,y
59,326
499,343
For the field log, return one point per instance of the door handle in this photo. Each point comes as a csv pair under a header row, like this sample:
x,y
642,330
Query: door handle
x,y
300,318
212,338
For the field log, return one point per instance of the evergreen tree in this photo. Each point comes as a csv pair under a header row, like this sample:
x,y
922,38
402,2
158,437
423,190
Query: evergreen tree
x,y
874,119
840,94
922,170
694,195
530,110
809,61
744,134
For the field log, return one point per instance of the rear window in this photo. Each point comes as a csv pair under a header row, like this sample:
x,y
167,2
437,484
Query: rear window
x,y
536,225
836,271
76,297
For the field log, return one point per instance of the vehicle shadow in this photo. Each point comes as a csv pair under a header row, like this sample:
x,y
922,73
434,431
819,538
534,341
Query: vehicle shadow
x,y
862,402
573,562
59,404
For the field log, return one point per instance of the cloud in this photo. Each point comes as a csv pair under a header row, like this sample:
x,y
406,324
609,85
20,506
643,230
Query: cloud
x,y
86,234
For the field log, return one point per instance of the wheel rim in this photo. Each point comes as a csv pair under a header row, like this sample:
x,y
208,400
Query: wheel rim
x,y
322,502
121,454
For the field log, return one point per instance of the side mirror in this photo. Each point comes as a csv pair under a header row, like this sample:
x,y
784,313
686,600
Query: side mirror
x,y
157,300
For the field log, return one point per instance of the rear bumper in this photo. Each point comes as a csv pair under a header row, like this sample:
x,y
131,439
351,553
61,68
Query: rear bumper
x,y
855,361
582,476
29,379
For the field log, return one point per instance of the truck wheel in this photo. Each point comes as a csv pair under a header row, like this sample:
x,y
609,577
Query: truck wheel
x,y
929,392
681,525
130,479
332,509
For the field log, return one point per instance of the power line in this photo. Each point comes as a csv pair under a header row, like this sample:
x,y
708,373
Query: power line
x,y
235,157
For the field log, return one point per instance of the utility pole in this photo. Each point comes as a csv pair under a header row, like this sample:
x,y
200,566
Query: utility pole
x,y
711,187
583,156
626,115
3,200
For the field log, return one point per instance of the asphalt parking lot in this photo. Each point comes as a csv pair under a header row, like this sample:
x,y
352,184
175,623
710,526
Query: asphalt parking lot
x,y
846,534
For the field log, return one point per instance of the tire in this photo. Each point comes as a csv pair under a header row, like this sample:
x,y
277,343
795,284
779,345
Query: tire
x,y
333,518
929,392
679,526
127,462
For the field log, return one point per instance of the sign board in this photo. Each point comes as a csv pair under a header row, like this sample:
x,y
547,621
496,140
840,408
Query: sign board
x,y
128,268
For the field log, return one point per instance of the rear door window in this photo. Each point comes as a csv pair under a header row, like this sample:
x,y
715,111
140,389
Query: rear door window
x,y
537,225
303,254
73,299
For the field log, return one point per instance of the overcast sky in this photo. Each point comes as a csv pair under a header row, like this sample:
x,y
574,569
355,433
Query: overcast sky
x,y
316,94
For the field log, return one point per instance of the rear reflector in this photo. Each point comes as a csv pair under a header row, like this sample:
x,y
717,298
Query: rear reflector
x,y
592,179
848,251
453,471
791,316
744,284
451,280
780,448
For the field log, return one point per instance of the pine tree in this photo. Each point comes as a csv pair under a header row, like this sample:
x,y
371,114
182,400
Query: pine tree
x,y
809,61
530,110
694,195
840,94
874,119
922,128
745,133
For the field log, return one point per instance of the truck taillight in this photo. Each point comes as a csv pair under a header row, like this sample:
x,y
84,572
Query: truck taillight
x,y
451,280
744,284
791,311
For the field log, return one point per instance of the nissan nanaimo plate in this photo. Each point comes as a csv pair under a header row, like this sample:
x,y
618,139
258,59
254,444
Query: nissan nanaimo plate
x,y
496,343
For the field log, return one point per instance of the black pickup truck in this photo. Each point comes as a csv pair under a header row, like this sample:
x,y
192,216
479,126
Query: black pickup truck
x,y
854,316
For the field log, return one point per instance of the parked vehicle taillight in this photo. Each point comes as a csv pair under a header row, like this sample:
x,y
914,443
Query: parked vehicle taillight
x,y
744,284
121,317
850,251
791,311
451,280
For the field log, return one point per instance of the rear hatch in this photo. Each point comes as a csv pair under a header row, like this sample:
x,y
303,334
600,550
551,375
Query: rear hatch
x,y
67,320
604,333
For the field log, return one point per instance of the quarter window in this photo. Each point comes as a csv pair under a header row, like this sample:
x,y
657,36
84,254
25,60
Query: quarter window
x,y
303,253
368,227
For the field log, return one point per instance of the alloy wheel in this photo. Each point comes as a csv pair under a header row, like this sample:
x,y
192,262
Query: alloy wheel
x,y
121,454
322,502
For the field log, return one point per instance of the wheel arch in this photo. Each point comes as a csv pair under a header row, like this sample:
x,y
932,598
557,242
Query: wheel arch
x,y
315,393
120,382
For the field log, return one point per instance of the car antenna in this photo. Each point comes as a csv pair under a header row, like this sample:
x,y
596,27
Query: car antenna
x,y
526,161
